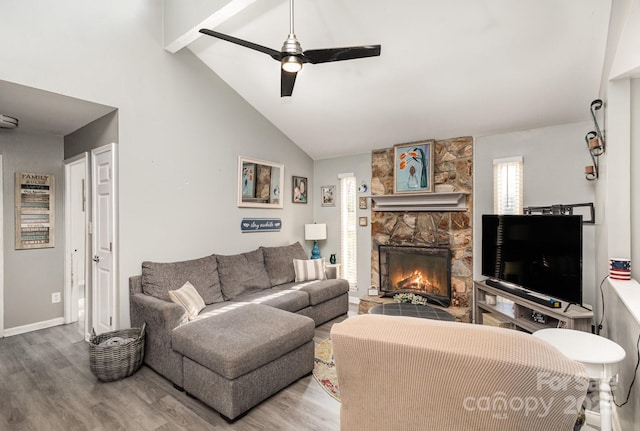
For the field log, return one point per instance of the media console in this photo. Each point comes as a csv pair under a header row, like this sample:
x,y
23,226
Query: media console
x,y
525,311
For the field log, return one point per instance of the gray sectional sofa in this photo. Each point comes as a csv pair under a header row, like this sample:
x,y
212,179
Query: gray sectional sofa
x,y
255,334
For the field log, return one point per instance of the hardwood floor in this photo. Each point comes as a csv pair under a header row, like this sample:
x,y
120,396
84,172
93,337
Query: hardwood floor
x,y
46,384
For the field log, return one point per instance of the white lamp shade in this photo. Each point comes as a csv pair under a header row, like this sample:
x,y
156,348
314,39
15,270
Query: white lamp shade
x,y
314,232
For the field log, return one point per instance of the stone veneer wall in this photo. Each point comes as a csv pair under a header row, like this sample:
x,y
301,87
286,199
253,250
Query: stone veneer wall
x,y
453,170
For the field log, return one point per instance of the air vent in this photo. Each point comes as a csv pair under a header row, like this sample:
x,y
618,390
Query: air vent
x,y
7,122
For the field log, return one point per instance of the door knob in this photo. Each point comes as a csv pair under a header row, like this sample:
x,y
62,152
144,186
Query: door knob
x,y
96,258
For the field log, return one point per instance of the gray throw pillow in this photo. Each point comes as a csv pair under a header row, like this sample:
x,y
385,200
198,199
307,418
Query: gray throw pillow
x,y
279,262
242,273
159,278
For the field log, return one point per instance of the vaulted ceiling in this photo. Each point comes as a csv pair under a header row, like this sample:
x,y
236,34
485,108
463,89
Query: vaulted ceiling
x,y
447,69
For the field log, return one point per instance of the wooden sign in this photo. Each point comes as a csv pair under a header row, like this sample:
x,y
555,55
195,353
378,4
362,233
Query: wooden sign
x,y
35,210
260,225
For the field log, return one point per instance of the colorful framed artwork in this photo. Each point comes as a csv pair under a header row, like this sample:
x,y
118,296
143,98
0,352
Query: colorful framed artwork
x,y
328,196
299,187
413,167
362,203
248,180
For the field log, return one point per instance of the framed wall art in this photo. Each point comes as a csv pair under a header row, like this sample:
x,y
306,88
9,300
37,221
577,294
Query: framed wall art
x,y
363,221
413,167
299,190
34,210
362,203
328,195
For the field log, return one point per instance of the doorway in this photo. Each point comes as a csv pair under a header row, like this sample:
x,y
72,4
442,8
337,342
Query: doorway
x,y
77,213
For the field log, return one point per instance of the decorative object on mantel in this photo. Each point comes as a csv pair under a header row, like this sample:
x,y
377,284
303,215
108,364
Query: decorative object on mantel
x,y
315,232
249,225
413,167
566,209
595,143
455,201
35,196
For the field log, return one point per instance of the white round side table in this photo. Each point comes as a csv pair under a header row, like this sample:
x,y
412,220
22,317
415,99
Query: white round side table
x,y
599,355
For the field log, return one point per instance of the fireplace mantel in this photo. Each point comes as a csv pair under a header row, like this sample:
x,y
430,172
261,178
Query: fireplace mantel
x,y
420,202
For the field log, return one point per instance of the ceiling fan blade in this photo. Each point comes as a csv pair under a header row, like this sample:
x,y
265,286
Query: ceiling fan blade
x,y
287,80
314,56
276,55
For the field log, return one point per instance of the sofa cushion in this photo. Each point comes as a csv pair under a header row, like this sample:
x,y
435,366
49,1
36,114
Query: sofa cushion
x,y
159,278
279,262
239,338
187,296
311,269
322,290
242,273
288,300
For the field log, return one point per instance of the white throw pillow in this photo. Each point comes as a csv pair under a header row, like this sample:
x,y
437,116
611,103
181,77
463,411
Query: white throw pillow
x,y
189,298
306,270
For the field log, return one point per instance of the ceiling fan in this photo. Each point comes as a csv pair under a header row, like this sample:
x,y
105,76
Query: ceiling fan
x,y
292,57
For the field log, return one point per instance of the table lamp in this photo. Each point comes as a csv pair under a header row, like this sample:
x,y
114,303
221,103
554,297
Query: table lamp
x,y
315,232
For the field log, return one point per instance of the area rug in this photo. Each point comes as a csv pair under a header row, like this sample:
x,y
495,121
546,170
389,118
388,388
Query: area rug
x,y
324,369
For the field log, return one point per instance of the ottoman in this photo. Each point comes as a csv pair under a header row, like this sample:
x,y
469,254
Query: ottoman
x,y
240,356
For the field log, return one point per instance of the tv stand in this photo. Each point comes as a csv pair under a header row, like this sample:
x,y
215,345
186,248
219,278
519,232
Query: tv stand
x,y
518,310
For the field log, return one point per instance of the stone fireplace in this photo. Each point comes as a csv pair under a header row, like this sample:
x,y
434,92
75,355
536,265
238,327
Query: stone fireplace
x,y
453,168
425,271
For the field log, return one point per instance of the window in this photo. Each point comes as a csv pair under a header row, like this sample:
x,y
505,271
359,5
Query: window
x,y
348,228
507,185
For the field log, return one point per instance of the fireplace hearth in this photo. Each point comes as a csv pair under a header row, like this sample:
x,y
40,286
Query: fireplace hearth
x,y
425,271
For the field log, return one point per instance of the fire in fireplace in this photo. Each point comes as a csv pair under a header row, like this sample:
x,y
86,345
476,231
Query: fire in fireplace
x,y
425,271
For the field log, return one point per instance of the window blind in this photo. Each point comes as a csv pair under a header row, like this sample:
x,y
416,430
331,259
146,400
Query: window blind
x,y
348,232
508,185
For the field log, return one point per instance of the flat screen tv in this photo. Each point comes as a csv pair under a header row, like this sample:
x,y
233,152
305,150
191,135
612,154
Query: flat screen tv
x,y
539,253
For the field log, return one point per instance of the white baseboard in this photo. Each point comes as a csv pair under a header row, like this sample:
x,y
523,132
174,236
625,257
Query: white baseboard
x,y
33,326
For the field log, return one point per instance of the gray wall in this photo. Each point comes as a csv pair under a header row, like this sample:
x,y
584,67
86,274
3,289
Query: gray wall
x,y
635,178
554,161
100,132
30,276
180,131
326,174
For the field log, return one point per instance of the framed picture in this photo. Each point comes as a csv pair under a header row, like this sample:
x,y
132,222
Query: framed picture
x,y
362,203
363,221
299,187
248,180
35,210
328,195
413,167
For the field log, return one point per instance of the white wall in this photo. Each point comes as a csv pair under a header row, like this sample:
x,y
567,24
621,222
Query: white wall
x,y
326,174
554,161
181,128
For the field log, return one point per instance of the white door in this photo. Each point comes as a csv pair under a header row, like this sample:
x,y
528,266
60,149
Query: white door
x,y
76,231
104,222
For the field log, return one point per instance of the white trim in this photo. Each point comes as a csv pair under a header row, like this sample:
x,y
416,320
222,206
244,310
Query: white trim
x,y
1,250
70,298
515,159
34,326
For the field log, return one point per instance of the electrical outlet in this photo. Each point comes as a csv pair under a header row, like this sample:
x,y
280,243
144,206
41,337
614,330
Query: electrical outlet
x,y
55,297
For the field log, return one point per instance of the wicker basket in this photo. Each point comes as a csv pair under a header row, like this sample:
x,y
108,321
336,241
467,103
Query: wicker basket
x,y
110,363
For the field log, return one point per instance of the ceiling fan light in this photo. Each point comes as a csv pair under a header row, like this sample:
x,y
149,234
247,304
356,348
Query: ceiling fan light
x,y
291,64
7,122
